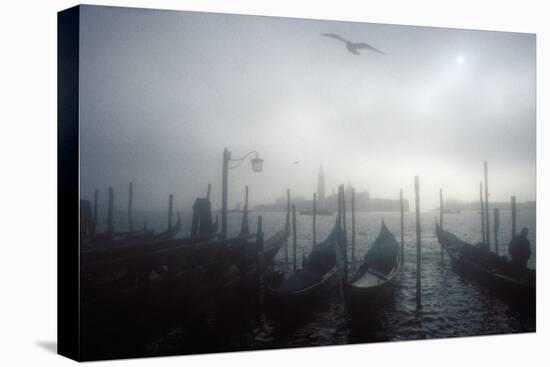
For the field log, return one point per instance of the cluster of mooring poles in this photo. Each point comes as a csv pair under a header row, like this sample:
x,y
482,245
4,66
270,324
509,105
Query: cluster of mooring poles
x,y
110,226
485,210
485,214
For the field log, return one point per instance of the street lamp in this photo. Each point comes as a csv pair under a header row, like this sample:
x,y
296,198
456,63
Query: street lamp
x,y
257,166
257,163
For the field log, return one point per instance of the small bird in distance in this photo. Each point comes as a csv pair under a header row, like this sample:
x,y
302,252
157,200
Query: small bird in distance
x,y
353,47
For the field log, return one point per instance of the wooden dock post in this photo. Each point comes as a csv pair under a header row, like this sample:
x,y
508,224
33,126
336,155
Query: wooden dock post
x,y
487,225
96,197
340,245
339,217
418,244
344,223
441,208
441,217
353,226
244,225
170,207
482,208
402,223
294,237
345,238
514,212
260,262
314,219
208,191
287,226
225,172
110,207
496,227
130,194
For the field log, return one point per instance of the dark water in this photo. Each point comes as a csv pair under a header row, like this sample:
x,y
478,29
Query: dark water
x,y
451,306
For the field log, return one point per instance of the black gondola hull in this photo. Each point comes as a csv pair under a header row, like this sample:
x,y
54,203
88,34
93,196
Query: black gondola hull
x,y
365,304
286,306
513,286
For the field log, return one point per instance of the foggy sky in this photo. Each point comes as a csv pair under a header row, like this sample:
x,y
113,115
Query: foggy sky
x,y
162,93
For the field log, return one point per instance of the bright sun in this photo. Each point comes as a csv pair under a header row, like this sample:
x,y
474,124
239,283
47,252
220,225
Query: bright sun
x,y
460,59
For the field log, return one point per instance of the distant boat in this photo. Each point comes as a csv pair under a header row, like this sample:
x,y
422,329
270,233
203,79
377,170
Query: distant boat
x,y
451,211
237,209
327,212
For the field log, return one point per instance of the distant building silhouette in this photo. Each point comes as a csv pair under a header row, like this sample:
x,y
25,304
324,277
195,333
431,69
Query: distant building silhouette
x,y
363,201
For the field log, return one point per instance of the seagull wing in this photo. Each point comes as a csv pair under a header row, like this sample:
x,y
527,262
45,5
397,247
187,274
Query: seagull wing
x,y
367,46
335,36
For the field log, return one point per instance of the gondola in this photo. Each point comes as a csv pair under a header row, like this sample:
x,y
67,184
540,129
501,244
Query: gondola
x,y
242,275
170,232
317,276
124,239
493,271
374,281
245,257
272,246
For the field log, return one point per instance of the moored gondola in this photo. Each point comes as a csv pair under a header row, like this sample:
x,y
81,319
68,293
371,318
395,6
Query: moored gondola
x,y
317,277
493,271
371,287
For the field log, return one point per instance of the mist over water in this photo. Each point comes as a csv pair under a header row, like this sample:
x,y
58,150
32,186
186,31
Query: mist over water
x,y
451,305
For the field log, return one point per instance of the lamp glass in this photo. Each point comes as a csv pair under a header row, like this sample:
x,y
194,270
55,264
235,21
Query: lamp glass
x,y
257,164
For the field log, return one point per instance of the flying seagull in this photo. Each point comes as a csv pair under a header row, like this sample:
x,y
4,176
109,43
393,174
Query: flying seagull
x,y
352,46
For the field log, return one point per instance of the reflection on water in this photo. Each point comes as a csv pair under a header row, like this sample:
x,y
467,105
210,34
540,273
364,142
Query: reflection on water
x,y
451,306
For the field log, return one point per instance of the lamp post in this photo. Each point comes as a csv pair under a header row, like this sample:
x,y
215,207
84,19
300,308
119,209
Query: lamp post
x,y
257,165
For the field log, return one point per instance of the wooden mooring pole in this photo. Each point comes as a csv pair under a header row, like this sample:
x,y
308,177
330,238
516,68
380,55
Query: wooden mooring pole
x,y
418,245
96,197
110,207
244,225
496,226
260,262
170,207
344,223
441,218
482,211
294,265
402,223
287,226
345,237
225,173
353,226
130,194
339,246
314,219
487,225
514,212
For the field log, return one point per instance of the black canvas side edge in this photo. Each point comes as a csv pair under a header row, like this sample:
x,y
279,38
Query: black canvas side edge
x,y
68,339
